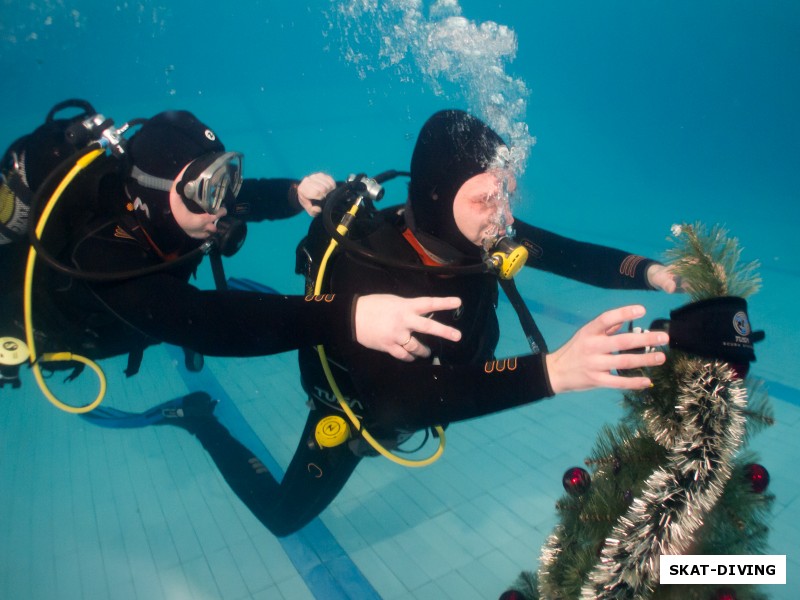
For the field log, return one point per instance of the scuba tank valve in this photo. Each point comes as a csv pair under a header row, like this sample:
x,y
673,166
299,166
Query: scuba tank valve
x,y
97,128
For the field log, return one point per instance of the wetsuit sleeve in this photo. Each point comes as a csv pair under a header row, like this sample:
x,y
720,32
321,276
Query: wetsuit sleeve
x,y
266,199
164,307
226,323
593,264
425,395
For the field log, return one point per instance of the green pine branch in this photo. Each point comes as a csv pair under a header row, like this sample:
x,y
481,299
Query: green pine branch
x,y
759,412
709,262
626,456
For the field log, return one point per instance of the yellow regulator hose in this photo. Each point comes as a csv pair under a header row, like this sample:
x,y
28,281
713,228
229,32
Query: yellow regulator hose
x,y
342,229
81,164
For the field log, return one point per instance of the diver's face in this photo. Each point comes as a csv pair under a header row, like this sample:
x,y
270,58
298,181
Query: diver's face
x,y
196,225
481,207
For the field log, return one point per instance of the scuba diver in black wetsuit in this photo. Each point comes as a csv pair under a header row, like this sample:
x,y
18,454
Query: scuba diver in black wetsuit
x,y
456,217
164,201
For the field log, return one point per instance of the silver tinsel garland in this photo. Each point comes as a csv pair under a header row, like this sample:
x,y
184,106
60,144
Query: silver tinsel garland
x,y
701,436
677,497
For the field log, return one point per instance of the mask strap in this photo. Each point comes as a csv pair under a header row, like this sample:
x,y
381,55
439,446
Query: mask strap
x,y
151,182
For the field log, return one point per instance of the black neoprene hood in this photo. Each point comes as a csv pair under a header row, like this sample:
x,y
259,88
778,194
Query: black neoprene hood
x,y
453,146
162,147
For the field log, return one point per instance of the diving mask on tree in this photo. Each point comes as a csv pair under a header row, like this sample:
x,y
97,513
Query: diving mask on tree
x,y
207,183
714,328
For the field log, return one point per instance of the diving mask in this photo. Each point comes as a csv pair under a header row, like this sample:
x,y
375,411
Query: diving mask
x,y
211,180
205,185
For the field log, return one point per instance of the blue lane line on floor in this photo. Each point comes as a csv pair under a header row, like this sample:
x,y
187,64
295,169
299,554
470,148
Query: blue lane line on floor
x,y
323,564
783,392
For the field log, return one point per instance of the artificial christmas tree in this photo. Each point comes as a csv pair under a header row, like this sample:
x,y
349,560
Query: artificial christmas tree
x,y
673,477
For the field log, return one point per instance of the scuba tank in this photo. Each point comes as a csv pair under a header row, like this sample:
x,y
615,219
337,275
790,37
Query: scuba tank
x,y
77,153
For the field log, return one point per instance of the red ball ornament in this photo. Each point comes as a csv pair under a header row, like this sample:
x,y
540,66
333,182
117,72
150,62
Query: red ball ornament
x,y
576,481
511,595
725,594
758,477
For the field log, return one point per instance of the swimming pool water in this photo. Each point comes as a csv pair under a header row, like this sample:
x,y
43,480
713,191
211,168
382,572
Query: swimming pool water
x,y
644,114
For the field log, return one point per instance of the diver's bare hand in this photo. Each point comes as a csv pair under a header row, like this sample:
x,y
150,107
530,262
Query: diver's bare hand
x,y
388,323
663,277
312,189
586,361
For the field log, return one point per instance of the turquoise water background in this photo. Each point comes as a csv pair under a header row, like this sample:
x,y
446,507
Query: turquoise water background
x,y
645,114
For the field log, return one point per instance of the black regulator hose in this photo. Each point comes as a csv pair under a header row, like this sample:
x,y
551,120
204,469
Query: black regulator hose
x,y
356,187
50,182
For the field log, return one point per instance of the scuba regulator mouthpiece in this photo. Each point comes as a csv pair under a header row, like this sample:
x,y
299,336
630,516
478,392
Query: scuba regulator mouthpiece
x,y
506,257
228,239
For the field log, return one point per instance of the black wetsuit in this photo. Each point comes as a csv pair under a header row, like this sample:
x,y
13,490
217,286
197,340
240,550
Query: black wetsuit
x,y
395,397
98,320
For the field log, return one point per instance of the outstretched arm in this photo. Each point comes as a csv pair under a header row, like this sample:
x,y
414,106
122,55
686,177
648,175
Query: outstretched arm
x,y
594,264
587,360
238,323
420,395
272,199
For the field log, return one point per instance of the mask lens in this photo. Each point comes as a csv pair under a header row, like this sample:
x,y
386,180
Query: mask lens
x,y
217,190
224,181
219,180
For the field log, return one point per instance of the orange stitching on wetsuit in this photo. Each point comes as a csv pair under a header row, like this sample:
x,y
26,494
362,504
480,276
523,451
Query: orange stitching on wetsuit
x,y
320,298
498,366
628,266
119,232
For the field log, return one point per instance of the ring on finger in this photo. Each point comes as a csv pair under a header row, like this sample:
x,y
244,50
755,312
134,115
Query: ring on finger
x,y
408,341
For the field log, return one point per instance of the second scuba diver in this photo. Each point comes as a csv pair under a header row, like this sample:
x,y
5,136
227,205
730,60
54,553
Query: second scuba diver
x,y
457,210
175,185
